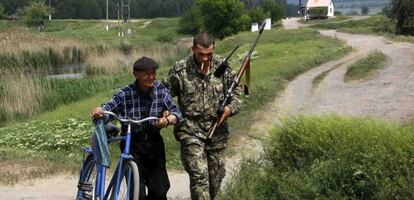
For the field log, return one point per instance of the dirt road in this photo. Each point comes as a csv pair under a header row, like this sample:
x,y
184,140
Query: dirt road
x,y
389,94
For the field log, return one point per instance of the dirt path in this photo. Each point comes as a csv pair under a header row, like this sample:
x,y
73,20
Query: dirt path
x,y
389,94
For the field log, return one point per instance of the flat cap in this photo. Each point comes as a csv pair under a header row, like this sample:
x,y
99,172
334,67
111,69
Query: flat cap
x,y
145,63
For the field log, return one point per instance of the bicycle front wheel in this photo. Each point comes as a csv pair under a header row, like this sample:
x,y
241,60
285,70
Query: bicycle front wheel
x,y
129,186
87,179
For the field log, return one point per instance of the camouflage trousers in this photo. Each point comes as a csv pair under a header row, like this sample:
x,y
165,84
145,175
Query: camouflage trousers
x,y
204,165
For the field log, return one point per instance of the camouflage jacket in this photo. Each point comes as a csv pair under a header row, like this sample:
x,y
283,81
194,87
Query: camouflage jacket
x,y
199,96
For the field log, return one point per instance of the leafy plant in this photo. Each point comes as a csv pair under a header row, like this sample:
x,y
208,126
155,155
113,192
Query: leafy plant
x,y
35,13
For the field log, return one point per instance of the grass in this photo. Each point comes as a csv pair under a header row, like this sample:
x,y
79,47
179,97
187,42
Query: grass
x,y
366,67
335,19
377,25
279,57
92,31
319,78
330,157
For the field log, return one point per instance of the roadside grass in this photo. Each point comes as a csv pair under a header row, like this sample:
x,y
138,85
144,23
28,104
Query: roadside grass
x,y
377,25
330,157
280,56
319,78
335,19
366,67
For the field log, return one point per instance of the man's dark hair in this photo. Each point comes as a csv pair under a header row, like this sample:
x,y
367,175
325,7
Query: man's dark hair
x,y
203,39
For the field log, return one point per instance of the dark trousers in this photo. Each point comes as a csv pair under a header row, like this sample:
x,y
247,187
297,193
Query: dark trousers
x,y
149,154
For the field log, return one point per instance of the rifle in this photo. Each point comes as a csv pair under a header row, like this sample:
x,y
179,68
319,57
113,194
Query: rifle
x,y
230,92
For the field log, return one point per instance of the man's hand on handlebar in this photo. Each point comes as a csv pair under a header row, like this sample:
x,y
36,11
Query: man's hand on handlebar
x,y
97,113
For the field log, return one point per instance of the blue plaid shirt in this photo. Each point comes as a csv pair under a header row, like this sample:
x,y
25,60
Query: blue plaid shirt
x,y
130,102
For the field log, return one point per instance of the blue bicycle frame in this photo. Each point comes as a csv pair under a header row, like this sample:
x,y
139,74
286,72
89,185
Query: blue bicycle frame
x,y
125,156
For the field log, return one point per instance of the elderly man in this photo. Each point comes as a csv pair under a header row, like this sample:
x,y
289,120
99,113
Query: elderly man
x,y
146,98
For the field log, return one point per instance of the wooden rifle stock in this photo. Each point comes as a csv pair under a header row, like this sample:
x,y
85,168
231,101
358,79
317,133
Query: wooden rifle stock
x,y
230,92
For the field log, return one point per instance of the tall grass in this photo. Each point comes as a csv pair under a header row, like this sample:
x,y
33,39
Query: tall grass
x,y
107,69
110,62
21,93
330,157
165,54
18,40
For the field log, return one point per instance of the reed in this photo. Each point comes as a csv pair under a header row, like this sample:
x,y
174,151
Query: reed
x,y
164,54
17,40
21,93
110,62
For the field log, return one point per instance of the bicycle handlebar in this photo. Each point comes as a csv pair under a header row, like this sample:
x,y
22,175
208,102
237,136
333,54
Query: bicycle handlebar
x,y
129,121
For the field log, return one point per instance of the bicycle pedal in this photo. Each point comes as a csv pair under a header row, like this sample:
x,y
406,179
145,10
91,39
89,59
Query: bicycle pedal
x,y
87,196
85,186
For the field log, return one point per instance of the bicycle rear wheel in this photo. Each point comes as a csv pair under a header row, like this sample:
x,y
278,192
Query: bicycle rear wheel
x,y
129,186
87,179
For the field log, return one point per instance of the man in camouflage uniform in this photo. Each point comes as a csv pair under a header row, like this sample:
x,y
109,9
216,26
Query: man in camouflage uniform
x,y
199,92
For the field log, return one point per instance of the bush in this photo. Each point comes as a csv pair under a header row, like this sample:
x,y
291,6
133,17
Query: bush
x,y
35,13
331,157
165,36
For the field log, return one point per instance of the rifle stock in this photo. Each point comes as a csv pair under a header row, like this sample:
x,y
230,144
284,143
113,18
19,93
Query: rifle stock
x,y
230,92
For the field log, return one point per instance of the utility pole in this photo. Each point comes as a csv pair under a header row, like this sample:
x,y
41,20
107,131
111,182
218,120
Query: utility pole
x,y
107,22
50,11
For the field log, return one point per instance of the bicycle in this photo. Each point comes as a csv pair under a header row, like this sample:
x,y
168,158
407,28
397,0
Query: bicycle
x,y
124,183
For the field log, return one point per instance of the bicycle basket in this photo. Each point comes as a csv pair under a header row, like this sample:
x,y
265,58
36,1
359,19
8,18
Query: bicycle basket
x,y
100,145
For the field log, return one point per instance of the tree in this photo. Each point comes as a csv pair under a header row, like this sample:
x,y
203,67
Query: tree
x,y
34,13
364,10
403,12
89,9
257,14
223,18
275,11
2,11
12,5
191,22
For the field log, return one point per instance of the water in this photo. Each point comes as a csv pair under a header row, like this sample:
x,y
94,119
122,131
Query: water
x,y
68,71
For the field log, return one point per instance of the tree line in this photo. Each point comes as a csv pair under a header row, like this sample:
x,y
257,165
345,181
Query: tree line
x,y
219,17
96,9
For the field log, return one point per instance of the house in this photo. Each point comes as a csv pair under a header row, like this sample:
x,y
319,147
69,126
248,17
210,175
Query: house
x,y
319,9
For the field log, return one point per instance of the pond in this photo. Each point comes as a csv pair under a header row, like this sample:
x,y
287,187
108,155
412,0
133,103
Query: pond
x,y
68,71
